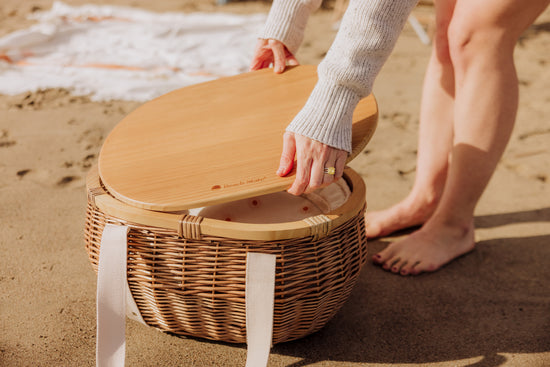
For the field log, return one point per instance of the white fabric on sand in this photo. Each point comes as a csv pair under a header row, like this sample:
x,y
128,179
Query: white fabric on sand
x,y
111,52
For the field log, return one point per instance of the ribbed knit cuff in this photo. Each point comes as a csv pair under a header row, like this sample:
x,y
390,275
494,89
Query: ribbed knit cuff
x,y
327,115
287,21
366,37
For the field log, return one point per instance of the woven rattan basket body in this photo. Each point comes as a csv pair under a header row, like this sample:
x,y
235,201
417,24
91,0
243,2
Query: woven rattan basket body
x,y
187,274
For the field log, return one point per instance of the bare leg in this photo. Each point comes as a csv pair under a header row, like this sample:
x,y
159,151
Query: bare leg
x,y
482,38
434,142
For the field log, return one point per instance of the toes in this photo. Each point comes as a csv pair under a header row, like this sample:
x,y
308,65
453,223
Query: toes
x,y
409,268
392,265
388,259
398,266
399,259
377,259
397,262
383,256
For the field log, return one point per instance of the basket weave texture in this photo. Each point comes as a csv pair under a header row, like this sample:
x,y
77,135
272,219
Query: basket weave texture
x,y
197,287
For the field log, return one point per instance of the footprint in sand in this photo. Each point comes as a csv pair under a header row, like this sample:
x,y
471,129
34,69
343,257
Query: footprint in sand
x,y
400,119
64,181
91,138
22,173
37,99
88,161
44,177
541,177
85,163
5,141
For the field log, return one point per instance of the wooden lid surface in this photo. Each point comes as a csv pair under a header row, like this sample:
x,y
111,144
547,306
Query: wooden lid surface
x,y
213,142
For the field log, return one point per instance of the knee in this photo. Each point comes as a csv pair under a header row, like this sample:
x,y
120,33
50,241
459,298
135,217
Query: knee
x,y
470,40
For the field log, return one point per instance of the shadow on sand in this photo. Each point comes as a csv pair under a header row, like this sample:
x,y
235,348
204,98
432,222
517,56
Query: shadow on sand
x,y
494,300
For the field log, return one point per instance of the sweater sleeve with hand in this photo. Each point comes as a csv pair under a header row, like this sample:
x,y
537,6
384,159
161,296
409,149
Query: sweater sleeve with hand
x,y
287,21
367,35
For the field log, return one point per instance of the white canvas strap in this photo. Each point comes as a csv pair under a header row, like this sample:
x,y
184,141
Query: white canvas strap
x,y
111,297
115,301
259,298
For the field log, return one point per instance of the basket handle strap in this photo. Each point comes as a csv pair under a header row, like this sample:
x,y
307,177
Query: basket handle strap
x,y
259,299
114,299
113,296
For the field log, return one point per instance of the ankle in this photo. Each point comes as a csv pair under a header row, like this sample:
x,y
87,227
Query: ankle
x,y
456,227
422,203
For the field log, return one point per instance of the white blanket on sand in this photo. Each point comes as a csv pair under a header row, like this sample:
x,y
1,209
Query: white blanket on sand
x,y
110,52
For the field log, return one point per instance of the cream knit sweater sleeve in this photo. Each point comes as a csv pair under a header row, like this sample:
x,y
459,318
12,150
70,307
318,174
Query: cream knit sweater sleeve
x,y
367,35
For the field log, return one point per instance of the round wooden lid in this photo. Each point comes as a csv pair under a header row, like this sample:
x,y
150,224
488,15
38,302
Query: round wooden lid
x,y
213,142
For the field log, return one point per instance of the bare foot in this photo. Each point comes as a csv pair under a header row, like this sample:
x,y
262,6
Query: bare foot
x,y
408,213
427,249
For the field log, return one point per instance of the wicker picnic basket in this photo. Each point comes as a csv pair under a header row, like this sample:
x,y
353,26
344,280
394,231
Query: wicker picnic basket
x,y
187,273
187,276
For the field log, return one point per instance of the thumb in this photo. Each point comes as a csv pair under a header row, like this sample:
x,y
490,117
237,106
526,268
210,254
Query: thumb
x,y
287,156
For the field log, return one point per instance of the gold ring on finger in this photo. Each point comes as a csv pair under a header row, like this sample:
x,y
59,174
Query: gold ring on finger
x,y
330,170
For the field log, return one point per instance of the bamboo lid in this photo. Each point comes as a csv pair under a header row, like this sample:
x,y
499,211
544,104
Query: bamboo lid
x,y
213,142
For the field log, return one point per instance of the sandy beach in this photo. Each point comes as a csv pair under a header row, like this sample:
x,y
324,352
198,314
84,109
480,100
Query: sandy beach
x,y
486,309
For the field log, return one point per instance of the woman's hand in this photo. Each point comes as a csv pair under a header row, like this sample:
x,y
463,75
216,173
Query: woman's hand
x,y
269,52
313,160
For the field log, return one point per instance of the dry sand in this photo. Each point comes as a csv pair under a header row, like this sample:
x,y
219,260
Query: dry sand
x,y
489,308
